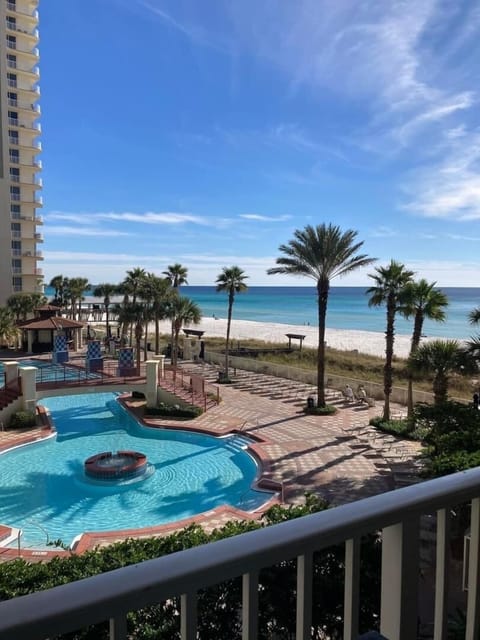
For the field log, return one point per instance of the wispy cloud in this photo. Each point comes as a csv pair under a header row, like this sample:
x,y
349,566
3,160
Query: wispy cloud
x,y
260,218
85,231
449,189
149,217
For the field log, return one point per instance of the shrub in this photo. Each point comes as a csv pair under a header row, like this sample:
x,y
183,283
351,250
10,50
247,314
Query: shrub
x,y
22,419
174,411
327,410
402,428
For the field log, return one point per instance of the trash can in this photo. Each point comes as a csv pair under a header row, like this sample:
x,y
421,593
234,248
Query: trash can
x,y
310,402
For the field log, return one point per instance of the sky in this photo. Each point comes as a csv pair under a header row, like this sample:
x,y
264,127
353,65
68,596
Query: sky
x,y
206,132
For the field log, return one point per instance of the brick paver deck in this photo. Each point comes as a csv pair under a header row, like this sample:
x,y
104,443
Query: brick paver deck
x,y
337,457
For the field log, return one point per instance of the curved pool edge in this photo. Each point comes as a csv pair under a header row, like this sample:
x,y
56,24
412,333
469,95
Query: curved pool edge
x,y
214,518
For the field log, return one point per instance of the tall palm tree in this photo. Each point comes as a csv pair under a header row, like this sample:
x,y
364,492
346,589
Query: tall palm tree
x,y
421,301
390,283
132,314
157,293
58,284
231,280
74,290
106,291
177,275
442,358
130,287
321,253
183,311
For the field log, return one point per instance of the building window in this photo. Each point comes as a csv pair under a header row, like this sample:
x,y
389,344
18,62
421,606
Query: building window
x,y
14,193
14,156
12,42
14,174
17,283
12,79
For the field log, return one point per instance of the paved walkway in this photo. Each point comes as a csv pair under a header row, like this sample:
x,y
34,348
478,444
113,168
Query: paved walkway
x,y
337,457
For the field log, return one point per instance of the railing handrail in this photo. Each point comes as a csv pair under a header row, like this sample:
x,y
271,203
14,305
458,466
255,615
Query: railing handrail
x,y
112,594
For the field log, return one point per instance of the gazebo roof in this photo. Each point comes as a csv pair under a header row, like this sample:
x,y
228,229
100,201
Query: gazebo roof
x,y
55,323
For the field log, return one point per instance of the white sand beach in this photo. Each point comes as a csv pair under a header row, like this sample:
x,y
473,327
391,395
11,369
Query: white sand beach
x,y
369,342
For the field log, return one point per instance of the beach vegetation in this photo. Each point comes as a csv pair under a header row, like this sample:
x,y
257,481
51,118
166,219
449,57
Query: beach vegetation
x,y
443,359
388,289
219,606
321,253
421,300
231,280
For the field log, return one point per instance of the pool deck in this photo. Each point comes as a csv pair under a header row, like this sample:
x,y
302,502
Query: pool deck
x,y
337,457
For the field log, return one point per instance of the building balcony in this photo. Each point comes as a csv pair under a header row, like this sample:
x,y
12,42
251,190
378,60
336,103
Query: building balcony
x,y
38,237
23,29
395,515
31,71
26,9
30,107
25,49
22,124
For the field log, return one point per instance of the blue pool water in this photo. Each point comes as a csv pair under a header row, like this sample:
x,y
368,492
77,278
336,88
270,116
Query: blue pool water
x,y
49,372
44,492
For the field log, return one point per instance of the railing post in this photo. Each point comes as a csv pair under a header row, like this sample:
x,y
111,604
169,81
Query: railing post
x,y
304,596
250,606
399,590
351,588
441,575
118,628
473,600
188,616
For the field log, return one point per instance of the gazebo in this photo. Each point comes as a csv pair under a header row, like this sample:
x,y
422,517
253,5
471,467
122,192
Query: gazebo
x,y
38,333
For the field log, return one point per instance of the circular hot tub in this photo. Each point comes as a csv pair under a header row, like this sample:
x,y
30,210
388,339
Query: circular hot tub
x,y
118,465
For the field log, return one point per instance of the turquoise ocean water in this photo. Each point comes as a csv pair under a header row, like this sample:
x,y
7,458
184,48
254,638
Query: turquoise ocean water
x,y
347,308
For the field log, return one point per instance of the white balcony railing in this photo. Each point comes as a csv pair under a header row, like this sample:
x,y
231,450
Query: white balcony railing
x,y
110,596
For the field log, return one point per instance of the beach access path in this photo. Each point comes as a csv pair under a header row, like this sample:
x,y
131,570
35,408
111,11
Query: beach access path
x,y
337,457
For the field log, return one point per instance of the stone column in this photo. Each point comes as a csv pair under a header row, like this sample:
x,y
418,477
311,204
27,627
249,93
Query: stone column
x,y
29,388
151,387
187,348
161,364
11,371
30,341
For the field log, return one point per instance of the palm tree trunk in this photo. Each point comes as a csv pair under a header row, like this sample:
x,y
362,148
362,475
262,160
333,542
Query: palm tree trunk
x,y
227,342
387,370
157,335
322,314
416,336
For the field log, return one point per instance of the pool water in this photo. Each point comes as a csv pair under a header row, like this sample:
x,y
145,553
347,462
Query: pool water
x,y
50,372
44,491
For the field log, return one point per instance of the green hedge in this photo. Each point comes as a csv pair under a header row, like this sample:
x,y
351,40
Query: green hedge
x,y
218,606
22,419
174,411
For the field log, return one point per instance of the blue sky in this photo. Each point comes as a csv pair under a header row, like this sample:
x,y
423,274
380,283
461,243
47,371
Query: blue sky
x,y
206,131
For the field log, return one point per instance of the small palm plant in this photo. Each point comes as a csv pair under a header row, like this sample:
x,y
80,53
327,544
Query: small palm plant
x,y
183,312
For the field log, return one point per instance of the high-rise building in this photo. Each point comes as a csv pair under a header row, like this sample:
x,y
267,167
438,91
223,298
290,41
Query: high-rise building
x,y
19,163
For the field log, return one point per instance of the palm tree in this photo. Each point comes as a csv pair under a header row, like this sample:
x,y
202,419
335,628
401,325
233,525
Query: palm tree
x,y
321,253
9,332
390,283
131,286
177,275
421,300
232,281
132,314
105,291
21,304
183,311
157,293
442,358
74,290
58,283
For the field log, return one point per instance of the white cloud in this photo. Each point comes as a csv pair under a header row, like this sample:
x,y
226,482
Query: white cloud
x,y
260,218
85,231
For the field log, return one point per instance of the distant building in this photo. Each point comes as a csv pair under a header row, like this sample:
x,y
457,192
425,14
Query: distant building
x,y
19,163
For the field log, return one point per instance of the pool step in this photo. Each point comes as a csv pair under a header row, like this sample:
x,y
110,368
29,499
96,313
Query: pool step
x,y
238,442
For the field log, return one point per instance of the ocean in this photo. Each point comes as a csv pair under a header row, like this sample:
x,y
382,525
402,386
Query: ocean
x,y
347,308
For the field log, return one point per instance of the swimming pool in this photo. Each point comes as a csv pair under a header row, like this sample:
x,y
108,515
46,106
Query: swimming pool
x,y
44,492
50,372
